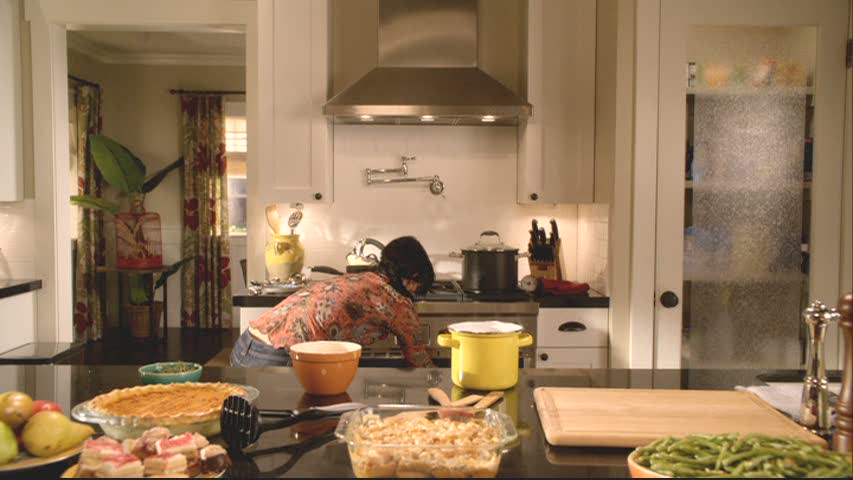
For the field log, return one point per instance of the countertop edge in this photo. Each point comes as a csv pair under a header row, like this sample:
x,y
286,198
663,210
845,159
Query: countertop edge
x,y
17,287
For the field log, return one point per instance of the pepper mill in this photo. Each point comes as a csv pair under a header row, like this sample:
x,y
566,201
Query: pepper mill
x,y
814,410
843,438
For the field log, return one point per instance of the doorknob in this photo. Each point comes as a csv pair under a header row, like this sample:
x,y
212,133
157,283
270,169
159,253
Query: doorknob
x,y
668,299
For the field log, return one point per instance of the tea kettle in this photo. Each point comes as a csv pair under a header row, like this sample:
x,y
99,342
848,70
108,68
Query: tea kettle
x,y
358,261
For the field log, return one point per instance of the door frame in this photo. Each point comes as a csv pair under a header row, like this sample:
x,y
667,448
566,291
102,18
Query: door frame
x,y
48,21
826,274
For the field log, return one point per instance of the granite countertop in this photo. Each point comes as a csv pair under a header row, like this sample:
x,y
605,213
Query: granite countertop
x,y
324,456
17,286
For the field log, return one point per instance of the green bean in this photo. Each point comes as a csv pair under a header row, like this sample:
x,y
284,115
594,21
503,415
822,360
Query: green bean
x,y
734,455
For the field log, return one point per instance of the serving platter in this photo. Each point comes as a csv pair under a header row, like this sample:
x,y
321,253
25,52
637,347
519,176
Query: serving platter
x,y
72,473
25,461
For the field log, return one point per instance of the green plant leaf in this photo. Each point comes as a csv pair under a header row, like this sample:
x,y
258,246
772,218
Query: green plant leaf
x,y
119,166
173,269
138,294
88,201
158,177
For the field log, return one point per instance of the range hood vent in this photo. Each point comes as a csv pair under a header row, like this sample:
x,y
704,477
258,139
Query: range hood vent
x,y
427,72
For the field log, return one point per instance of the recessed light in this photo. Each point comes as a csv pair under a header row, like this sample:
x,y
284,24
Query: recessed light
x,y
427,118
487,118
366,118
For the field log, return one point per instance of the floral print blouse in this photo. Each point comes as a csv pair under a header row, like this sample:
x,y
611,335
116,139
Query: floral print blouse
x,y
363,308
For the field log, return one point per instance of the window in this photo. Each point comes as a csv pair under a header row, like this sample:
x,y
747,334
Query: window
x,y
236,143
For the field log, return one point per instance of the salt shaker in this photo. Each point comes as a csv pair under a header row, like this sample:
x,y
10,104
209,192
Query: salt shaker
x,y
814,410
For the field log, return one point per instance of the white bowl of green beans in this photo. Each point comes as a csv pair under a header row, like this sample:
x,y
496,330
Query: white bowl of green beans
x,y
734,455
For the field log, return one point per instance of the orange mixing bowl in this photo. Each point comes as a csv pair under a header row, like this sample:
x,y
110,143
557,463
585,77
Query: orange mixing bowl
x,y
639,471
325,367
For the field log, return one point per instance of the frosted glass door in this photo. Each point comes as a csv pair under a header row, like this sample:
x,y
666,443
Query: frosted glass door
x,y
735,246
747,166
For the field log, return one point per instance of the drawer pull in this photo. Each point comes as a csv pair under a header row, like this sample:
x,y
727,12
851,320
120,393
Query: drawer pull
x,y
572,327
543,357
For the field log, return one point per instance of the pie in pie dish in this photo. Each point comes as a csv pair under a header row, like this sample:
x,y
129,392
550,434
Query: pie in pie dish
x,y
177,402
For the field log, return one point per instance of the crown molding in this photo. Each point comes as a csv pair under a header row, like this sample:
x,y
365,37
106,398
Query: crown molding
x,y
98,53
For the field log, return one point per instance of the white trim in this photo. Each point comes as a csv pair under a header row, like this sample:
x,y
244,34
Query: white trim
x,y
50,151
95,51
620,224
645,184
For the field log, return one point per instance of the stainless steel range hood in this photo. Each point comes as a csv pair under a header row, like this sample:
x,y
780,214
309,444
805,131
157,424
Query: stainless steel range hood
x,y
427,72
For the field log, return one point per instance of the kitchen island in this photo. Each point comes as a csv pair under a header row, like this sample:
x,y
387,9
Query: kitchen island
x,y
278,453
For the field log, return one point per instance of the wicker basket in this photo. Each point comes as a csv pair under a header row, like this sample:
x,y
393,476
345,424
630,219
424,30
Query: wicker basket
x,y
139,319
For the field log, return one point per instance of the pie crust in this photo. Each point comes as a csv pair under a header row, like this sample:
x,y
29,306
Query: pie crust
x,y
176,402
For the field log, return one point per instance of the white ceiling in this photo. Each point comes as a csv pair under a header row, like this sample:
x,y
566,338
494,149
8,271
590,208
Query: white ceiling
x,y
163,48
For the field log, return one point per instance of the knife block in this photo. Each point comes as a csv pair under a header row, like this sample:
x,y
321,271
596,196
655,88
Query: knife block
x,y
549,269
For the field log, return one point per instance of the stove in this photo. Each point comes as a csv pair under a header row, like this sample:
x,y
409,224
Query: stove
x,y
451,291
445,304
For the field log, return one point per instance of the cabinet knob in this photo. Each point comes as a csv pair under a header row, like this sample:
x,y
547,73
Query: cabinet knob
x,y
534,196
543,357
668,299
318,196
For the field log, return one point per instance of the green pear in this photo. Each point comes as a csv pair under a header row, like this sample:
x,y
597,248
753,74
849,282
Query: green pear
x,y
8,444
48,433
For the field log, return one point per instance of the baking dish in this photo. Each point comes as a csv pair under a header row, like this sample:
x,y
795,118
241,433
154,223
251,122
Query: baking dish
x,y
122,427
426,441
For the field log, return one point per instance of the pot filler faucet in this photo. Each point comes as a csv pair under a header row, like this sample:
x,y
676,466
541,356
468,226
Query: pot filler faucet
x,y
436,186
814,410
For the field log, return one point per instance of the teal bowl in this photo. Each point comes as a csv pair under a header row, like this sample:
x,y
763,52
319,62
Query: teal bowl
x,y
163,372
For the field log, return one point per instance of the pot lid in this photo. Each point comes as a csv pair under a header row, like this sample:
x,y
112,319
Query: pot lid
x,y
485,327
490,245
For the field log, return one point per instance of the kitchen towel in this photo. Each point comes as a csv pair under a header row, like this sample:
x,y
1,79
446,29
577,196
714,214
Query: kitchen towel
x,y
786,397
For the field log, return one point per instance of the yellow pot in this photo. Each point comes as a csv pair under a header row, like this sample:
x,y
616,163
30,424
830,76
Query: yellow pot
x,y
284,256
484,361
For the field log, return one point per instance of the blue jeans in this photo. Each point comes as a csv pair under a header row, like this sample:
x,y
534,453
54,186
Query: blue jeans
x,y
251,352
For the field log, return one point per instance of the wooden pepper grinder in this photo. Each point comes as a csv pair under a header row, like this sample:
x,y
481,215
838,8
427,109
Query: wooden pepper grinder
x,y
843,438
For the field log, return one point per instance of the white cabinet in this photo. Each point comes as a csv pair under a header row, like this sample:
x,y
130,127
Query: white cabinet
x,y
556,146
11,138
295,148
572,338
17,320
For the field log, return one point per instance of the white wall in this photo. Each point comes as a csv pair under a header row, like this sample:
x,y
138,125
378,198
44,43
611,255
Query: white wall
x,y
139,112
17,252
593,245
478,166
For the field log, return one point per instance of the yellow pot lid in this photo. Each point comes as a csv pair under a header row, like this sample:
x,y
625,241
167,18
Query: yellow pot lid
x,y
490,327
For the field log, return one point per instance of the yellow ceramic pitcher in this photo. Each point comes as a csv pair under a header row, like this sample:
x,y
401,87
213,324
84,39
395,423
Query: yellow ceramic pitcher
x,y
285,256
484,355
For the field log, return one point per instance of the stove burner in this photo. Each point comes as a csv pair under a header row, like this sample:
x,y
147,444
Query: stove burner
x,y
451,291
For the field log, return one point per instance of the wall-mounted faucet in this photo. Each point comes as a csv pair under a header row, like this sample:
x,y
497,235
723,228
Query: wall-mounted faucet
x,y
436,186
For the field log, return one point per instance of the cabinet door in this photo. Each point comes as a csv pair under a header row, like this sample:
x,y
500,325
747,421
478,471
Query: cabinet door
x,y
749,168
11,158
571,358
296,138
556,145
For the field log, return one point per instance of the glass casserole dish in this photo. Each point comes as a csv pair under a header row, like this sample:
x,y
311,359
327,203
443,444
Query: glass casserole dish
x,y
419,441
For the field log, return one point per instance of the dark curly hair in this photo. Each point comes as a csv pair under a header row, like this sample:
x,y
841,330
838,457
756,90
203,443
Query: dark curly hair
x,y
405,258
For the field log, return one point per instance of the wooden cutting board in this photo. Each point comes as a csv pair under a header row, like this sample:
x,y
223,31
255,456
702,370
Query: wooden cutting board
x,y
620,417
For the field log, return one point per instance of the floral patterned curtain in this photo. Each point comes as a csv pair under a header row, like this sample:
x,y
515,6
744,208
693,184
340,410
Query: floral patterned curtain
x,y
206,285
85,116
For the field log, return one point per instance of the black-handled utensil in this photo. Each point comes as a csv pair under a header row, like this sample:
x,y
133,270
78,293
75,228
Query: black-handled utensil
x,y
534,234
242,423
555,233
245,467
